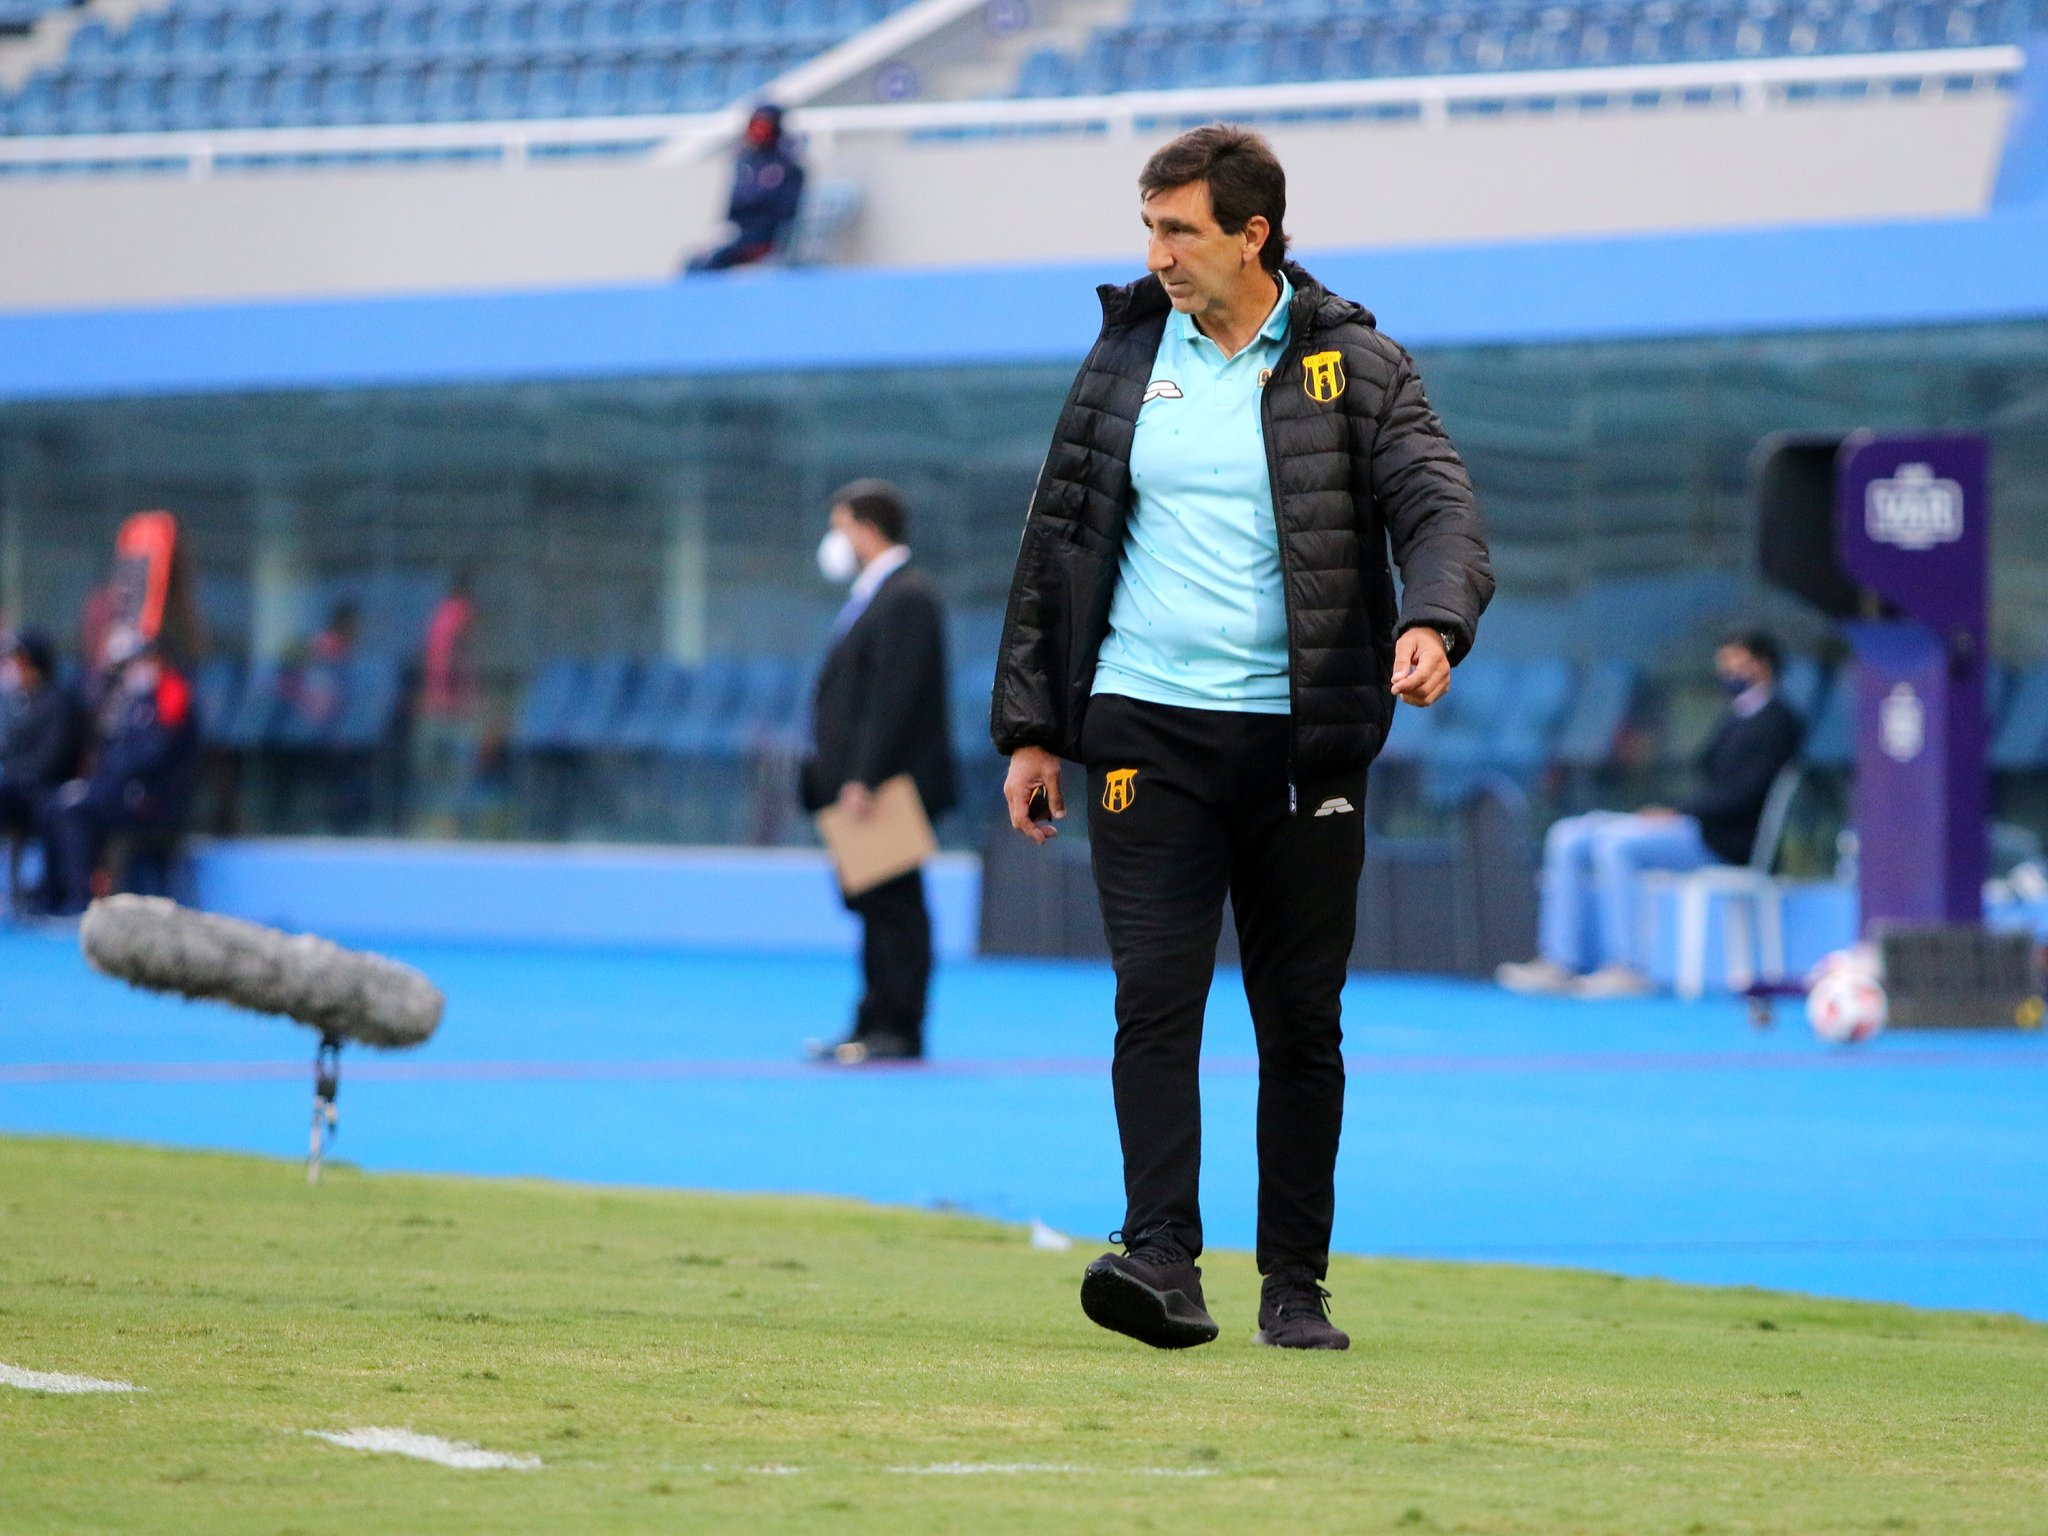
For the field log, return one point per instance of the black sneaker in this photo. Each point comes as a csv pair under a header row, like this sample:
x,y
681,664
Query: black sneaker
x,y
1294,1313
1152,1292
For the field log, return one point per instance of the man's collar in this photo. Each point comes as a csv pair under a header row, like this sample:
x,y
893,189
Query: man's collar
x,y
879,570
1752,699
1275,328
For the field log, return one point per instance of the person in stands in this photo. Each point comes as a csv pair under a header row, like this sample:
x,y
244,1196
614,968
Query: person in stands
x,y
1591,863
44,735
767,189
444,729
141,782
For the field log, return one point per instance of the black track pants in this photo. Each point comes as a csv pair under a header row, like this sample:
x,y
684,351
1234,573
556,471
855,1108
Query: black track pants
x,y
1186,805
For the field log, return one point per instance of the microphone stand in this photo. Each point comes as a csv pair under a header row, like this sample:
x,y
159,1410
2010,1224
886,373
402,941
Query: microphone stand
x,y
326,1086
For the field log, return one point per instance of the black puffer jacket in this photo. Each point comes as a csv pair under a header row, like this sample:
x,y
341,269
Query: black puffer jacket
x,y
1351,474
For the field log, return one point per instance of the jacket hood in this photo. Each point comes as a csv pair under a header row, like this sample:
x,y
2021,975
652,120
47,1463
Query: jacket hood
x,y
1315,307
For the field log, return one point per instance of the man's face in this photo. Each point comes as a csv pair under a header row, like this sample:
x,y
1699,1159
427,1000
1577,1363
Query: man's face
x,y
1738,668
761,131
1201,266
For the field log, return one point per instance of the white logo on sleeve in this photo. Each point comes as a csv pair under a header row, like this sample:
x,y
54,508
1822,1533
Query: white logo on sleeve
x,y
1161,389
1336,805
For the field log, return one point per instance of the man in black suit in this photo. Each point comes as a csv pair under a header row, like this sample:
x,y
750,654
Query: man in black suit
x,y
1591,862
881,711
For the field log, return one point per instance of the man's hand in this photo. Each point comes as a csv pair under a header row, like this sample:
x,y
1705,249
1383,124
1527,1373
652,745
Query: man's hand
x,y
1033,769
857,800
1657,813
1422,672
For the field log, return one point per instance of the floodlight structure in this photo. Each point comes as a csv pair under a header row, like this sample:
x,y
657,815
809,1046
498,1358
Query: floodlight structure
x,y
155,944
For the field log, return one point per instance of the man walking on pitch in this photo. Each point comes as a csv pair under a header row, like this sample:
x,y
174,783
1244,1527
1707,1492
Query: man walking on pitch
x,y
1204,616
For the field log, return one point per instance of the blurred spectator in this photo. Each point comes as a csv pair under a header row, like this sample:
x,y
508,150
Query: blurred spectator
x,y
96,625
767,188
1591,863
444,733
322,684
44,735
142,781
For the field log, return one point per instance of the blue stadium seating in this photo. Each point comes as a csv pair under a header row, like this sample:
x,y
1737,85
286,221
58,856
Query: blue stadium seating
x,y
1831,733
2020,743
20,15
1175,44
1592,726
216,691
549,702
301,63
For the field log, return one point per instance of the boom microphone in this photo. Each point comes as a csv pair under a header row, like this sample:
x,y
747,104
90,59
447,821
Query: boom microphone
x,y
149,942
153,943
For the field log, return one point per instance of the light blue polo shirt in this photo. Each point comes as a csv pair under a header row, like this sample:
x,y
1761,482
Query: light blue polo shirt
x,y
1199,618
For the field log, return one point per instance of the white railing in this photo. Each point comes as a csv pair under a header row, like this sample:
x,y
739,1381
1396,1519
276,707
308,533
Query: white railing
x,y
1755,84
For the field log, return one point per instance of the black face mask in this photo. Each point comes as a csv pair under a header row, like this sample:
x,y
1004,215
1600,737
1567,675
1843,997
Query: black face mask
x,y
1734,684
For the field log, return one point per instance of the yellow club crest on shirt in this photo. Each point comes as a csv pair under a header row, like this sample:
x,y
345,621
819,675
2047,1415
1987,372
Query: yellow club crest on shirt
x,y
1322,376
1119,789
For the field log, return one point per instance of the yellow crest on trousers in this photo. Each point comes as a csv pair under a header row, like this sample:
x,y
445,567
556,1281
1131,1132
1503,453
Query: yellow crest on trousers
x,y
1119,789
1322,376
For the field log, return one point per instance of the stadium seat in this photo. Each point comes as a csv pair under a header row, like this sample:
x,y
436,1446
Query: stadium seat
x,y
1802,685
2020,744
660,701
1831,734
1599,708
216,690
373,691
593,716
716,694
549,701
1751,902
257,711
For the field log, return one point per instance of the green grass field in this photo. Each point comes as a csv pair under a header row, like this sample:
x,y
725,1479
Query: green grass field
x,y
702,1363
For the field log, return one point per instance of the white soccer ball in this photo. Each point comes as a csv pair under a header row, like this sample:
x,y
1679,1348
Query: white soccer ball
x,y
1847,1004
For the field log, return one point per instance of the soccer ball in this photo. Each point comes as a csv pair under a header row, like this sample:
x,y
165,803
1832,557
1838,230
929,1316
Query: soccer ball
x,y
1847,1003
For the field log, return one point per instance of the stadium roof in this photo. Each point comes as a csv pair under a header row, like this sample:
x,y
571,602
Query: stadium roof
x,y
1851,277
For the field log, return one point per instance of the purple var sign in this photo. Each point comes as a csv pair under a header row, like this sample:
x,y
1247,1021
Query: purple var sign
x,y
1912,526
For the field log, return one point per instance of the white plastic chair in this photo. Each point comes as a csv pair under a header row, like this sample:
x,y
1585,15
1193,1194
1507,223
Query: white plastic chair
x,y
1752,905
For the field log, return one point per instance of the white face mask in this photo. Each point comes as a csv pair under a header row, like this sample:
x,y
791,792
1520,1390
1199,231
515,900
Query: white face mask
x,y
836,560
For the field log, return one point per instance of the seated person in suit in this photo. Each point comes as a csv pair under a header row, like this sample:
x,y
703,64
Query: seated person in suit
x,y
880,711
142,780
1591,863
44,734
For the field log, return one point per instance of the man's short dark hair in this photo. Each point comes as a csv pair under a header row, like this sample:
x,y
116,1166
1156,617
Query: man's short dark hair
x,y
878,504
1763,645
1244,178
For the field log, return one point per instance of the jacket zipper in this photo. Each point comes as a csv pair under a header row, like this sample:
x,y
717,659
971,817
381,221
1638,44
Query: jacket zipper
x,y
1286,582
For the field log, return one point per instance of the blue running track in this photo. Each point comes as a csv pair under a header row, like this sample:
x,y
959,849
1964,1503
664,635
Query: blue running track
x,y
1645,1137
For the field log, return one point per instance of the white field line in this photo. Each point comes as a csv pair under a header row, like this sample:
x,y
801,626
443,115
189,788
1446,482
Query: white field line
x,y
57,1381
403,1442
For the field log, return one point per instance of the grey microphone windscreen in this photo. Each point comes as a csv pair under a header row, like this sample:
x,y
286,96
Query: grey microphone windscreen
x,y
150,942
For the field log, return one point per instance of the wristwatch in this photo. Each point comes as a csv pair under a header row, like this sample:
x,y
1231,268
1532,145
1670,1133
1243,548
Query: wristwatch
x,y
1450,643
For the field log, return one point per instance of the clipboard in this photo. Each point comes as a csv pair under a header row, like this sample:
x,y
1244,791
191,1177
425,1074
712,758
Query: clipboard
x,y
894,838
